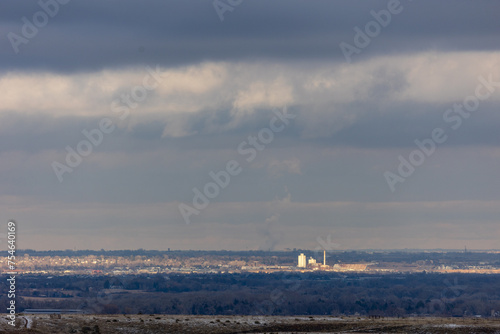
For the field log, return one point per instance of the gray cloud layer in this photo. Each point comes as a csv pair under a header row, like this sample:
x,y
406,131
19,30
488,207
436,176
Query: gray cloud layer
x,y
92,35
222,81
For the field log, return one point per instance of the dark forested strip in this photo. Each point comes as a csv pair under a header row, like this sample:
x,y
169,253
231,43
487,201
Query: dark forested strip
x,y
266,294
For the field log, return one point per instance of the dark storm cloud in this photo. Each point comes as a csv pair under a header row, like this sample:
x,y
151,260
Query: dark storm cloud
x,y
92,35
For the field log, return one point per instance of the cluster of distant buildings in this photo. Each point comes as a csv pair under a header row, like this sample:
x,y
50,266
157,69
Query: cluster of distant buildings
x,y
237,263
311,263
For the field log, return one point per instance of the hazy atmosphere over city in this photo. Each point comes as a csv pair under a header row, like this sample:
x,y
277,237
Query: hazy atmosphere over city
x,y
261,125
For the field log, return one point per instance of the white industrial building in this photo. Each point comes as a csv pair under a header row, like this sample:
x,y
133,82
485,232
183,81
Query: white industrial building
x,y
302,261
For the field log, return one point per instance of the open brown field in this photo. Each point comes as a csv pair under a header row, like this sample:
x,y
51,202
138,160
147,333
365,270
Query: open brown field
x,y
93,324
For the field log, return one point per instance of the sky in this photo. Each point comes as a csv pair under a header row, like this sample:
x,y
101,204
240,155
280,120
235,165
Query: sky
x,y
250,124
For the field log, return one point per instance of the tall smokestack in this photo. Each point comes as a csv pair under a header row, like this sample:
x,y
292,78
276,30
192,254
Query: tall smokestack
x,y
324,257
